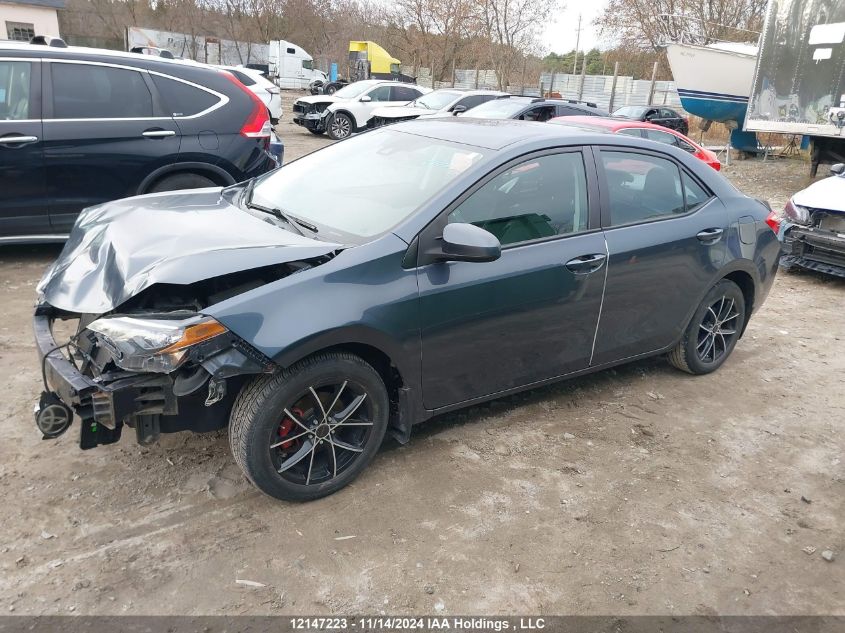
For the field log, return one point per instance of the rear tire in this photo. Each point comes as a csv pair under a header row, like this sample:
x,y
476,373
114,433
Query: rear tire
x,y
309,430
712,332
182,181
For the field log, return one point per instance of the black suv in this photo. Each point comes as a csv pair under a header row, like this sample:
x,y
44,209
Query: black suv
x,y
79,127
659,115
532,109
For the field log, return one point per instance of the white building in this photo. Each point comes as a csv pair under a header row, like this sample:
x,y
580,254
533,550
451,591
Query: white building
x,y
22,19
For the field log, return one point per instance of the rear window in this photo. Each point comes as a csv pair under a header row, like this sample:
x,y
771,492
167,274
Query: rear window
x,y
243,78
182,99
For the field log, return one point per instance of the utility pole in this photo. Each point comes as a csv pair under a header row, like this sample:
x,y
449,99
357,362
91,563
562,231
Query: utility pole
x,y
577,44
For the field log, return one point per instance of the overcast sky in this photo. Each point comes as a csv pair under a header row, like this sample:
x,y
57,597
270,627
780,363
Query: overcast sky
x,y
560,35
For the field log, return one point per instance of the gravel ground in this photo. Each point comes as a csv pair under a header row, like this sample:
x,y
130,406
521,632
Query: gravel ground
x,y
639,490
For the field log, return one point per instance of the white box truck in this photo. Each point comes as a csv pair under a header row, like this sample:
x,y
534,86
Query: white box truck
x,y
291,67
799,85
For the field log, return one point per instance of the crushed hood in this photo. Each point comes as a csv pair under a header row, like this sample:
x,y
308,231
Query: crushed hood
x,y
827,194
118,249
313,99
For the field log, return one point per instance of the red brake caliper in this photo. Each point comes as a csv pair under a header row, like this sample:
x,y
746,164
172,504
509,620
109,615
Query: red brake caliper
x,y
288,425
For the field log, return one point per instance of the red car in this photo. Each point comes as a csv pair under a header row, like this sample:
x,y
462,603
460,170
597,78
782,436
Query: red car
x,y
643,130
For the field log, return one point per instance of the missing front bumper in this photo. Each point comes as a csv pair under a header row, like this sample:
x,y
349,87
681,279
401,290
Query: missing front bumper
x,y
814,248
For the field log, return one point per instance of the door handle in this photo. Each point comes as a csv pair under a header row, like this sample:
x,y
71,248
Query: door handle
x,y
710,235
17,140
158,133
586,264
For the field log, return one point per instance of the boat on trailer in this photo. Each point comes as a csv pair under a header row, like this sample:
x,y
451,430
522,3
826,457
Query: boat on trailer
x,y
714,83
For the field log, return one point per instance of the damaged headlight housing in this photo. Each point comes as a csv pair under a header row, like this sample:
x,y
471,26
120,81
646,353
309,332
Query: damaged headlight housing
x,y
150,344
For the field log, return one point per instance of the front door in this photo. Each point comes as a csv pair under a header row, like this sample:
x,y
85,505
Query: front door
x,y
531,314
23,203
103,134
666,239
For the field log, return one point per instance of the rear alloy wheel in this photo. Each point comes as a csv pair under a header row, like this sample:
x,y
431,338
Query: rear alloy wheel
x,y
713,331
340,126
309,430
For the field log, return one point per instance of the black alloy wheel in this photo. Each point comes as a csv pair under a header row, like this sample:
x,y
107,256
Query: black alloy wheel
x,y
713,330
309,430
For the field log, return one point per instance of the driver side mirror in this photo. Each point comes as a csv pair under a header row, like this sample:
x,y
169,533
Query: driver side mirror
x,y
458,109
469,243
838,169
366,99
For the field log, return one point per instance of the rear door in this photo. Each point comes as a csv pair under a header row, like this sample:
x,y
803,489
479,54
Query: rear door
x,y
666,242
23,204
532,314
104,132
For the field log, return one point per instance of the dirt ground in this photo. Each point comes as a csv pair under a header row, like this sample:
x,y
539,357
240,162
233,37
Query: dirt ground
x,y
639,490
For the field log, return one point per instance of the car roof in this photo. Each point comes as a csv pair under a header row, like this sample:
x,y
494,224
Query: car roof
x,y
492,134
611,123
99,54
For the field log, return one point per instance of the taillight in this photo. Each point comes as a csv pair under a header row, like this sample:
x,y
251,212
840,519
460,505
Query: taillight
x,y
774,220
257,124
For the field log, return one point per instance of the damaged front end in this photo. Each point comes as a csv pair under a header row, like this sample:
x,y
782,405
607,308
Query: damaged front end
x,y
142,353
156,373
815,240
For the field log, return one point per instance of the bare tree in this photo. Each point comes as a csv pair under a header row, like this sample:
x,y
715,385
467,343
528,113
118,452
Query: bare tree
x,y
647,24
512,28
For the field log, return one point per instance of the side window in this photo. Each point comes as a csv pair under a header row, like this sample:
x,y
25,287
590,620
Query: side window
x,y
539,113
403,93
567,111
182,99
470,102
243,78
667,114
641,187
661,137
684,145
291,51
382,93
88,91
632,131
538,198
14,91
308,64
695,195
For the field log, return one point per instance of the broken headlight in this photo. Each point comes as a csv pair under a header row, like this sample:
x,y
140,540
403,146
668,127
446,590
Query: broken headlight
x,y
152,345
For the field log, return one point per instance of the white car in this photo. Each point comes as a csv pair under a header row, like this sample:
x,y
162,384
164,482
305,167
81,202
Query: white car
x,y
812,226
266,90
349,109
437,102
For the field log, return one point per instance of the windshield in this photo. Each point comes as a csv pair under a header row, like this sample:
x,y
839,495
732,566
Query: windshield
x,y
363,187
630,112
353,90
436,100
498,109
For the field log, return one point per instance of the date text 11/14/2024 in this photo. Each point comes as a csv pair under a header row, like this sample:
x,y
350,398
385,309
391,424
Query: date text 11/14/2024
x,y
410,623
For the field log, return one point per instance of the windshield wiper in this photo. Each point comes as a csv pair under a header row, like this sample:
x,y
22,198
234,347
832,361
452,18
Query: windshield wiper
x,y
276,212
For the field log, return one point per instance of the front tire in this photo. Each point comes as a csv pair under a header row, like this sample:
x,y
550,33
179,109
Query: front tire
x,y
309,430
713,331
340,126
